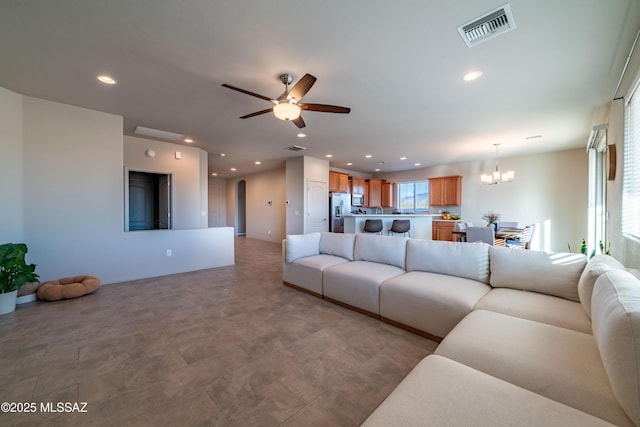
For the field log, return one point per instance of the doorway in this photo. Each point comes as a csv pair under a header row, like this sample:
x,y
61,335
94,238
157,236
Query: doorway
x,y
242,208
149,201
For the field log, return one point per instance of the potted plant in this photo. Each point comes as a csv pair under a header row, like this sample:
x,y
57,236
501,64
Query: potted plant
x,y
492,219
14,272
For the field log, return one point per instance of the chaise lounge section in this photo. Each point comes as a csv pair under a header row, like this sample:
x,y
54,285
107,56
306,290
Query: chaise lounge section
x,y
526,337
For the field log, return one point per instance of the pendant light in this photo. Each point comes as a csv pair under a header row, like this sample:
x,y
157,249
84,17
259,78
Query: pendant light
x,y
496,177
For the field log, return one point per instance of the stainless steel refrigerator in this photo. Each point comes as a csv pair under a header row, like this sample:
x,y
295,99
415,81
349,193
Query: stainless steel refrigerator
x,y
339,204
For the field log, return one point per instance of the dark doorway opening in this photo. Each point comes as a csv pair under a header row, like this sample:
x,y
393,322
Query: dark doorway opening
x,y
149,201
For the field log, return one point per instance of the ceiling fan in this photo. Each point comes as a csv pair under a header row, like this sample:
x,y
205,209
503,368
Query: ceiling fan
x,y
288,106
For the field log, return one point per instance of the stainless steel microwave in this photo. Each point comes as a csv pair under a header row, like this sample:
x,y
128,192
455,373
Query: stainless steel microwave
x,y
357,200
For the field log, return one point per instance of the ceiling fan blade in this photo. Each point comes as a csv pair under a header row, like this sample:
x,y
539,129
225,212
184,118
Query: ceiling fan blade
x,y
325,108
257,113
299,122
301,88
257,95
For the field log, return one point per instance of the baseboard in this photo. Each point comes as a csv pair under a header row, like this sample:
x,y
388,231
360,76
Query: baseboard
x,y
412,330
26,298
298,288
351,307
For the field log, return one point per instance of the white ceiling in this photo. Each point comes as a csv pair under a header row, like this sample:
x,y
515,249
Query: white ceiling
x,y
398,65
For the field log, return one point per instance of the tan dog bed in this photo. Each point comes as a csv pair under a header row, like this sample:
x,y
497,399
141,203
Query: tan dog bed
x,y
69,287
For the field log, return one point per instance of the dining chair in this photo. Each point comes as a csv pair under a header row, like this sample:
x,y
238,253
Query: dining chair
x,y
461,226
373,226
527,236
481,234
401,226
507,224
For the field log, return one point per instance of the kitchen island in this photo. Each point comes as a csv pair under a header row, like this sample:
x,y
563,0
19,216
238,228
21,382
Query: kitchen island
x,y
420,223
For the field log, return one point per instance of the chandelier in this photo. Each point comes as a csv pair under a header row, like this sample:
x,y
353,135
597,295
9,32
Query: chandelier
x,y
497,177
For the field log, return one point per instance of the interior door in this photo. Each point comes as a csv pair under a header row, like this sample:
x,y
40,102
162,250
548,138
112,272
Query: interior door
x,y
317,207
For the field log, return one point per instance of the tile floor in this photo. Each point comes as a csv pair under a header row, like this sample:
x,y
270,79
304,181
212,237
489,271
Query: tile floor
x,y
228,346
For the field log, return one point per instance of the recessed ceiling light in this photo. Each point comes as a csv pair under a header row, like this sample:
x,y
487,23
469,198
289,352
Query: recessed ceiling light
x,y
473,75
258,162
377,169
329,155
189,140
214,174
416,164
349,164
222,154
368,156
106,79
301,135
233,169
403,158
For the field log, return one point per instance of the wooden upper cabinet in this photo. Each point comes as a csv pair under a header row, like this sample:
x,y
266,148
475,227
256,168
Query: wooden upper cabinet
x,y
357,185
445,191
338,182
375,192
388,194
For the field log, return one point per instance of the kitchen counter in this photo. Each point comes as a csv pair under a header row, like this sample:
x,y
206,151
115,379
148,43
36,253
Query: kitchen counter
x,y
420,223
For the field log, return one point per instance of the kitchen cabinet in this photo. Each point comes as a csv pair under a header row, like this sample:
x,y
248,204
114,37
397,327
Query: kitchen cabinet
x,y
338,182
443,230
445,191
375,193
388,194
357,185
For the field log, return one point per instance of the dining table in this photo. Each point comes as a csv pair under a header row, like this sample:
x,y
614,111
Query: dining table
x,y
501,235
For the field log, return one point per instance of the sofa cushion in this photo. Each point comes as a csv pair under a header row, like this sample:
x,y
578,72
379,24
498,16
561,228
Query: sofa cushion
x,y
557,363
442,392
307,272
470,260
594,268
338,244
539,307
548,273
357,283
615,309
430,302
381,249
302,245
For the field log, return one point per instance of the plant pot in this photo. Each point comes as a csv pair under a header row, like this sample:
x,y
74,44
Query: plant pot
x,y
8,302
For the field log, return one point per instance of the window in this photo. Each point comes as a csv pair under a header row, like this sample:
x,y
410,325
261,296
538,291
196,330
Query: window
x,y
413,196
631,172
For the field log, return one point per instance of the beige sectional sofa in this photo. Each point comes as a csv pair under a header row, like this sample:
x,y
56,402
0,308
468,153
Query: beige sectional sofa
x,y
527,337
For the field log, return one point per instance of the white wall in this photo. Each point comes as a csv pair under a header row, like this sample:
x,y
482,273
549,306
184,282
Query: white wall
x,y
73,202
295,194
11,182
549,190
188,176
264,222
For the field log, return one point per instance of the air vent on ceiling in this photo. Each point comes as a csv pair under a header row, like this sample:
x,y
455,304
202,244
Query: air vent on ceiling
x,y
157,133
487,26
296,148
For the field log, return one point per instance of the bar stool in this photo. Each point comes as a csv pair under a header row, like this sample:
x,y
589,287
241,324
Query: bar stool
x,y
373,226
401,226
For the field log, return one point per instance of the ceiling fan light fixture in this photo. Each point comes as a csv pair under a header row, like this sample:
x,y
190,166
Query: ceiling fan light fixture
x,y
286,111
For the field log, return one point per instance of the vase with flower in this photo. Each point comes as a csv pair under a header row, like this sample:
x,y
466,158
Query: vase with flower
x,y
492,219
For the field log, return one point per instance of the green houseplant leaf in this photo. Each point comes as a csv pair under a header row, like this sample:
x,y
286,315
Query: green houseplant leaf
x,y
14,271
